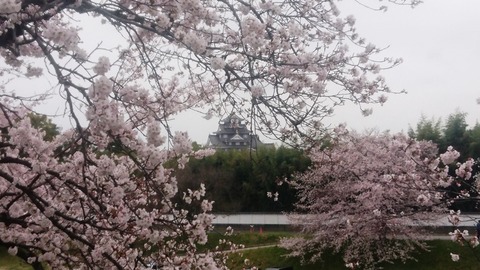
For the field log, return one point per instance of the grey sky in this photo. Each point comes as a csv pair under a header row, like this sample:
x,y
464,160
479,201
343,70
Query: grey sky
x,y
439,42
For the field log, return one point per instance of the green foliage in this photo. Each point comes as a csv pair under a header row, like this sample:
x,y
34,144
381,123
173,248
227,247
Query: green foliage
x,y
42,122
455,133
428,130
238,181
474,141
196,146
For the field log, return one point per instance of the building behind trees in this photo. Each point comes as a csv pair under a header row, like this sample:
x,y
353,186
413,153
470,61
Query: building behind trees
x,y
233,133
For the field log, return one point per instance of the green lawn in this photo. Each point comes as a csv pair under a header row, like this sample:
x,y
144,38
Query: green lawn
x,y
248,239
8,262
438,258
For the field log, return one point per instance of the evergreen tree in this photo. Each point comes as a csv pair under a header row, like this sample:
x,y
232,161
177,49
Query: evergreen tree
x,y
474,142
427,130
455,133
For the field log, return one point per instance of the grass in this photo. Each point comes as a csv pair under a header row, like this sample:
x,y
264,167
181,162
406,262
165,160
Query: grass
x,y
8,262
438,258
248,239
275,257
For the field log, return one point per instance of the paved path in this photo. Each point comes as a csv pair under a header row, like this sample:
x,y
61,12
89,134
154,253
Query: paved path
x,y
259,219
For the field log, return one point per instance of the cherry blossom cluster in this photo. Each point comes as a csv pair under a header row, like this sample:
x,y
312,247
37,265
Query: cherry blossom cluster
x,y
181,143
274,196
449,156
154,136
257,91
217,63
194,42
102,66
455,257
458,236
10,6
61,35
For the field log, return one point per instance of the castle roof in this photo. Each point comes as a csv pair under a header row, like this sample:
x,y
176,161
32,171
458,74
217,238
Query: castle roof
x,y
233,133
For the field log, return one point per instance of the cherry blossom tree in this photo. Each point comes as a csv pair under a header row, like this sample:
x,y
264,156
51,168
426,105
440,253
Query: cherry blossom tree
x,y
365,192
97,196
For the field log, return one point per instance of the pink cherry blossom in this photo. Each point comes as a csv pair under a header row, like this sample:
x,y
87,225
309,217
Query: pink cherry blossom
x,y
455,257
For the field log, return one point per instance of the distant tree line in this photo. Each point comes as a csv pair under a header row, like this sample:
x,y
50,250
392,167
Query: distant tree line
x,y
245,180
453,132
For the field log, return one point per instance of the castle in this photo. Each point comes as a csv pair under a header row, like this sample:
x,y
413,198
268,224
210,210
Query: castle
x,y
233,133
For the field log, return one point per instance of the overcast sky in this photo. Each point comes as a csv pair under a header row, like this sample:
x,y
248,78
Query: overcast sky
x,y
439,42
